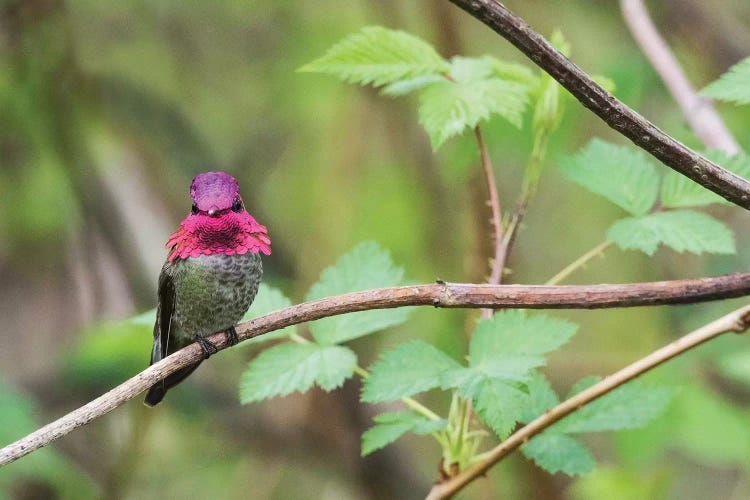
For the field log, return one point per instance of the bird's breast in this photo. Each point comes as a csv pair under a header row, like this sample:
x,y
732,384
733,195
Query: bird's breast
x,y
213,292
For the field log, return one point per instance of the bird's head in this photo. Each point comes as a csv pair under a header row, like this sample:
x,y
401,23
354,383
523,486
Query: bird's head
x,y
218,222
214,194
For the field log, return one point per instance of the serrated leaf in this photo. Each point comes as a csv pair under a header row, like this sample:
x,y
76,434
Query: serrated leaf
x,y
541,398
337,364
628,407
732,86
269,300
367,266
379,56
623,175
518,339
406,370
448,108
503,351
513,72
391,426
559,453
290,367
467,380
679,191
681,230
403,87
470,69
500,405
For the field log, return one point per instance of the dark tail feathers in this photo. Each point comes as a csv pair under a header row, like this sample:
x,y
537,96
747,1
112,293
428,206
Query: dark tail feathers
x,y
157,391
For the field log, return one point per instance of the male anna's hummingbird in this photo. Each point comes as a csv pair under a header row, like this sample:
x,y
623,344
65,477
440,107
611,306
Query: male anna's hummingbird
x,y
211,275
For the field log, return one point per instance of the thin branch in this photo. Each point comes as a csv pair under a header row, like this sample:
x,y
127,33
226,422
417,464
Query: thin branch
x,y
530,181
614,113
579,263
697,110
501,249
449,295
736,321
494,201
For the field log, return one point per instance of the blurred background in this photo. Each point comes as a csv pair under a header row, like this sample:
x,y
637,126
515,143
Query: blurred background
x,y
108,109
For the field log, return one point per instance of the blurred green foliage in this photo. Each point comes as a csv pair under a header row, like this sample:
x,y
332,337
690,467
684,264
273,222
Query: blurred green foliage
x,y
188,86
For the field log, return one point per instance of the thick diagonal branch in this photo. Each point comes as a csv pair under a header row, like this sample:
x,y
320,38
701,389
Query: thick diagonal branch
x,y
454,295
697,110
614,113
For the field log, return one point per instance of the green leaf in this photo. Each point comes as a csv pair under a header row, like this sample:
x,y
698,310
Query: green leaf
x,y
628,407
404,87
548,109
291,367
379,56
449,108
503,351
269,300
367,266
513,72
335,365
541,398
732,86
679,191
391,426
681,230
499,404
623,175
559,453
406,370
517,340
466,380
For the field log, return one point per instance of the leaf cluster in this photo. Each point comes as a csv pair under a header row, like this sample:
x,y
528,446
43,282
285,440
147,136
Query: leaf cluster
x,y
660,206
557,450
733,86
505,388
454,95
296,366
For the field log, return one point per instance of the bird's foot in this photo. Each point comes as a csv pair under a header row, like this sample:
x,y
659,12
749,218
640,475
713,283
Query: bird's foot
x,y
232,337
207,346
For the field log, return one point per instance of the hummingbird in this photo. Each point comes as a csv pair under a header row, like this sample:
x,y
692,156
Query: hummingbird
x,y
211,274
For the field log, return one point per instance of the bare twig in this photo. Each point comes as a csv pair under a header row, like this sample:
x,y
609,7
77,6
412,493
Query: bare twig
x,y
736,321
501,248
580,262
615,113
698,111
494,201
451,295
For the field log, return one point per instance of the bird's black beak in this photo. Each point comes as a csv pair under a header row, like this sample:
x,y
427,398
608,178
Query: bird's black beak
x,y
212,211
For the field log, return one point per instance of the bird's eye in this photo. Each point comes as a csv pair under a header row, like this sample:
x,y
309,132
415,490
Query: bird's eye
x,y
195,208
237,205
